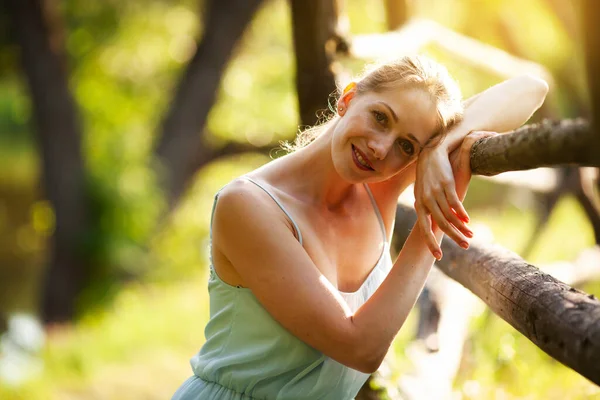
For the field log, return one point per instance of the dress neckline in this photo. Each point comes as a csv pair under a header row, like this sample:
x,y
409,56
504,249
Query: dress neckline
x,y
371,273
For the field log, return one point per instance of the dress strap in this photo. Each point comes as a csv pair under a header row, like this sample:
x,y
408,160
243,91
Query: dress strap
x,y
212,213
298,233
381,224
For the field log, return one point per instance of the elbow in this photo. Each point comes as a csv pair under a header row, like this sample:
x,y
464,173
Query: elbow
x,y
370,367
368,362
536,86
363,352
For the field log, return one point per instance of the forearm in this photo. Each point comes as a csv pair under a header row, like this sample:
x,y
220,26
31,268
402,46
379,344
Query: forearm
x,y
501,108
381,317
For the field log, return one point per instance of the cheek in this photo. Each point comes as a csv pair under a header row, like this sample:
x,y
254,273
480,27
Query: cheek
x,y
400,163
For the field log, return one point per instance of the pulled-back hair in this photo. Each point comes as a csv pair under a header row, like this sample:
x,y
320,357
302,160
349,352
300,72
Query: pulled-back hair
x,y
406,73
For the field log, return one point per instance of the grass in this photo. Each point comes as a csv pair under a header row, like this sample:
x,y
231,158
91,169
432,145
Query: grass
x,y
137,349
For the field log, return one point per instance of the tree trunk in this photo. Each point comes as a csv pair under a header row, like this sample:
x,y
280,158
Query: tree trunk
x,y
314,24
59,137
591,34
536,145
396,13
182,148
562,321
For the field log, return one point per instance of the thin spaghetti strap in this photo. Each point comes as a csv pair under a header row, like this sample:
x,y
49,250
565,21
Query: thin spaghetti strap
x,y
296,228
212,213
381,224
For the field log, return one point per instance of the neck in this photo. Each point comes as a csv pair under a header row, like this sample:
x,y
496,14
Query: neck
x,y
315,176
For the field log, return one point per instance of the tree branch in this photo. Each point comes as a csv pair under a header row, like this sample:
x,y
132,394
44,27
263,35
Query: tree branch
x,y
181,144
561,320
417,33
536,145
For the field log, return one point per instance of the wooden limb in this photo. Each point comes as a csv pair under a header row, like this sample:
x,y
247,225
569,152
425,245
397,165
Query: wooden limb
x,y
429,318
417,33
584,194
233,149
181,146
434,371
562,321
536,145
548,201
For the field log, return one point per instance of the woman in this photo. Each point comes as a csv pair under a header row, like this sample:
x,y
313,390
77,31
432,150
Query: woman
x,y
305,299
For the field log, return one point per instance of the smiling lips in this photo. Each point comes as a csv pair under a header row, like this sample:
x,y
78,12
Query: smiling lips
x,y
361,160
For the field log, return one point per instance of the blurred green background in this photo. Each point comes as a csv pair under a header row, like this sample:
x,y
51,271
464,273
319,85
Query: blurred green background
x,y
143,316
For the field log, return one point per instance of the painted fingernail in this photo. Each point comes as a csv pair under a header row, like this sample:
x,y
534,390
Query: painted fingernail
x,y
437,255
464,245
469,234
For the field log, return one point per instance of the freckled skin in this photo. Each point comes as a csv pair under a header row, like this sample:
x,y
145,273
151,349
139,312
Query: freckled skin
x,y
367,123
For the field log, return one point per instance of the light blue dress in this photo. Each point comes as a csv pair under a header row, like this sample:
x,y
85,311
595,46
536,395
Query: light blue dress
x,y
249,355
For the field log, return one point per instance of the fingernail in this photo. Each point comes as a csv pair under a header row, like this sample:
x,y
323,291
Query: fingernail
x,y
469,234
464,245
437,255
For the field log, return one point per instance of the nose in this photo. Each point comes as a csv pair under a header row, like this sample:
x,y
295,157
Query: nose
x,y
380,147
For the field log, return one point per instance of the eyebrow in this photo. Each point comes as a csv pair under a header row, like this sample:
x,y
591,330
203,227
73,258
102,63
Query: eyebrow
x,y
410,135
390,109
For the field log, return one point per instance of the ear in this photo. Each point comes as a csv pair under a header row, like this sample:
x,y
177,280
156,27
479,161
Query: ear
x,y
347,96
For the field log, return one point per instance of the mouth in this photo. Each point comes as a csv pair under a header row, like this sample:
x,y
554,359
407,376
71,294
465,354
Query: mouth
x,y
361,160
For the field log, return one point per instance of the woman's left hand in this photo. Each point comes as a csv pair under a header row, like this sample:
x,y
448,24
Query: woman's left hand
x,y
435,196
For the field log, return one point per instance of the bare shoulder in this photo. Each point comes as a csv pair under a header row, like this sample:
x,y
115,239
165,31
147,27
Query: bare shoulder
x,y
242,202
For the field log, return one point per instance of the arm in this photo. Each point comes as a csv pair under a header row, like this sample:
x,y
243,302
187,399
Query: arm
x,y
262,248
501,108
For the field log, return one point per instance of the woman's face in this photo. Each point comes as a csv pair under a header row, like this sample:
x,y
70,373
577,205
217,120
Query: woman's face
x,y
380,134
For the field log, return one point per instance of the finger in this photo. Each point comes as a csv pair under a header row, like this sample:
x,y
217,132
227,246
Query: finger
x,y
474,136
451,216
454,202
427,231
448,228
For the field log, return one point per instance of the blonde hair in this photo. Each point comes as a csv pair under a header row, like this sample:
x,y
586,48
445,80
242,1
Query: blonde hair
x,y
406,73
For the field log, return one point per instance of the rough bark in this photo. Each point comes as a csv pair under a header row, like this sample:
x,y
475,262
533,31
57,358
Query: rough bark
x,y
58,133
562,321
316,39
182,147
536,145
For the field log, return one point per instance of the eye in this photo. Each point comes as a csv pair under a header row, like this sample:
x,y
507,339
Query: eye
x,y
380,117
406,147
